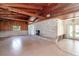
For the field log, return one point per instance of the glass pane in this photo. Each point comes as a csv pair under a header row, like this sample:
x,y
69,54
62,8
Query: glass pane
x,y
77,31
16,28
71,31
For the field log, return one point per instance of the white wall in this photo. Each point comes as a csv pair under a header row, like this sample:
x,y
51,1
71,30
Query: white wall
x,y
48,28
12,33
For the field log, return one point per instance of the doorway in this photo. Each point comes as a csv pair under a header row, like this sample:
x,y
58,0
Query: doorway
x,y
31,29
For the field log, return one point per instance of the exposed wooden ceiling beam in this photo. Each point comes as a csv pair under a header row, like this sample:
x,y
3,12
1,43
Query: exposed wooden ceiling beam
x,y
15,19
20,11
29,10
35,19
16,15
57,6
72,8
19,5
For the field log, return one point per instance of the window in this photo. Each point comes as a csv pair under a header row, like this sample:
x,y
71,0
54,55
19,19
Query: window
x,y
16,28
73,26
77,31
70,30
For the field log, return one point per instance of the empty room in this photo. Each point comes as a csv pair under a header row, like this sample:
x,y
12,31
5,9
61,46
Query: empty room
x,y
39,29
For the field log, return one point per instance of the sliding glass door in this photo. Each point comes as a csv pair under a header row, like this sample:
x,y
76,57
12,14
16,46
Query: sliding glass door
x,y
73,31
72,25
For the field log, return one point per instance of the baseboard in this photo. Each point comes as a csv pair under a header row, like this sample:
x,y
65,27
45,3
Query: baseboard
x,y
12,36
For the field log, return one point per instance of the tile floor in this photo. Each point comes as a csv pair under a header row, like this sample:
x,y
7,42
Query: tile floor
x,y
70,46
30,46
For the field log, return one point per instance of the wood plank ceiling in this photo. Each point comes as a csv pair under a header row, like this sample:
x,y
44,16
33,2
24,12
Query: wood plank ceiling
x,y
24,11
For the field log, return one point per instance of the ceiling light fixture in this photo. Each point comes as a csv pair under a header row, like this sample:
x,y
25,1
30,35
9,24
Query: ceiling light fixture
x,y
48,15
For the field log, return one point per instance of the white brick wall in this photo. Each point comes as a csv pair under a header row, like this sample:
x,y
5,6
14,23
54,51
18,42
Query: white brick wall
x,y
47,28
